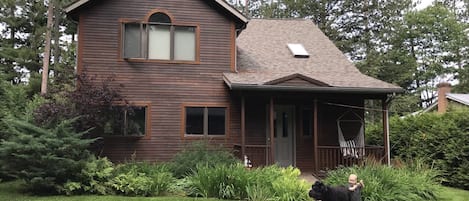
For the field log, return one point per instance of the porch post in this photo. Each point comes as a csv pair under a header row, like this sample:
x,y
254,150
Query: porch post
x,y
315,135
271,124
386,132
243,127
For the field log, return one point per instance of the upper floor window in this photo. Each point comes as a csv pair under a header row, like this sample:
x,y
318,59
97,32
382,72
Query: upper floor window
x,y
159,39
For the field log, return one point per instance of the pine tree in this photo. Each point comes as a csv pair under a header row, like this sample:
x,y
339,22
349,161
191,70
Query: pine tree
x,y
13,22
44,158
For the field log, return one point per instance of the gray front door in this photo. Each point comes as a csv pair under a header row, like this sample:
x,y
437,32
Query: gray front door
x,y
284,135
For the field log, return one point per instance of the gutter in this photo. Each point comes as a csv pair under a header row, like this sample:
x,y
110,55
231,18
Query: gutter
x,y
248,87
74,5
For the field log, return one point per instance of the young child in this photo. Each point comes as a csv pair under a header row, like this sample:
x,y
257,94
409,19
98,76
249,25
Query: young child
x,y
355,187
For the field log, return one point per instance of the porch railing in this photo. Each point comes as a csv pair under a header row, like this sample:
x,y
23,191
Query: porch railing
x,y
258,154
331,157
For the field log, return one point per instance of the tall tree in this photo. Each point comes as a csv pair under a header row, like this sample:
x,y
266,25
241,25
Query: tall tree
x,y
435,39
12,22
46,59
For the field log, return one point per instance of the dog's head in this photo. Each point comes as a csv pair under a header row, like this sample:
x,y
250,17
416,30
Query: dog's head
x,y
318,190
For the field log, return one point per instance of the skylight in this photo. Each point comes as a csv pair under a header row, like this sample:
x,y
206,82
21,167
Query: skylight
x,y
298,50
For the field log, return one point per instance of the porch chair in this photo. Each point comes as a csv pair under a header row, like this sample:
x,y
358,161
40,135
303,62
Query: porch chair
x,y
354,147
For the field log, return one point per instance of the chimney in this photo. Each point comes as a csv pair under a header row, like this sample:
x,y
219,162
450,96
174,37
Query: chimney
x,y
443,89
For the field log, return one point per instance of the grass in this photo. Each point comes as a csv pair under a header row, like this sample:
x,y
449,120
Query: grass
x,y
10,191
453,194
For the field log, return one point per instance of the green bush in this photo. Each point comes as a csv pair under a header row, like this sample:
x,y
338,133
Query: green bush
x,y
93,179
440,139
258,192
288,187
219,181
237,182
413,182
44,158
200,153
142,179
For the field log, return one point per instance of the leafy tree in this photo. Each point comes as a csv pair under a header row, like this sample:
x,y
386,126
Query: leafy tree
x,y
93,100
434,38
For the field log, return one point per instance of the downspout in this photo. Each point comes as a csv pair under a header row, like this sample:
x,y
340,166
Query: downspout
x,y
236,50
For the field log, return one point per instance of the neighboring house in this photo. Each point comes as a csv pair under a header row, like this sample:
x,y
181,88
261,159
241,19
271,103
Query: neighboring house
x,y
273,90
447,99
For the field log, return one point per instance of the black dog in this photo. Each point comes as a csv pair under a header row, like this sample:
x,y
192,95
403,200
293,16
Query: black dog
x,y
320,191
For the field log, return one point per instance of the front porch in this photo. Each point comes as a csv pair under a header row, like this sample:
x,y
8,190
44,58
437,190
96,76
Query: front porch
x,y
329,157
301,130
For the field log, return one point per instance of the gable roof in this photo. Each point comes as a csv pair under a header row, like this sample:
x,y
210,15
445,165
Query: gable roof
x,y
263,57
460,98
73,7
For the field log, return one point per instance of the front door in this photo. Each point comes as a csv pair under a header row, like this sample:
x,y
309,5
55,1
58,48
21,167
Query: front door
x,y
284,135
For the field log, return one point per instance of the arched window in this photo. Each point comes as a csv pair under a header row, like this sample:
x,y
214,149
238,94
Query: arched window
x,y
160,17
159,38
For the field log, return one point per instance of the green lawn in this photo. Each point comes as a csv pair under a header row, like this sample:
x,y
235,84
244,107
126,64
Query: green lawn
x,y
9,191
453,194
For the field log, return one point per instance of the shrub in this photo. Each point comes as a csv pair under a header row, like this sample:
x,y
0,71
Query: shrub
x,y
413,182
142,179
93,179
236,182
288,187
200,153
439,139
220,181
43,158
258,192
93,100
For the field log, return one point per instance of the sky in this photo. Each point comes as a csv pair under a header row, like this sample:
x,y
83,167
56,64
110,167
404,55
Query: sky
x,y
423,3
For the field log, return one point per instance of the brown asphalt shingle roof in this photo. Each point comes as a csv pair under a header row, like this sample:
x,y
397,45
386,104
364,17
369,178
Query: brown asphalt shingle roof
x,y
263,56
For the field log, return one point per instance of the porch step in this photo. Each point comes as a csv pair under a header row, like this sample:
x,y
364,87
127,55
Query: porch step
x,y
308,177
321,174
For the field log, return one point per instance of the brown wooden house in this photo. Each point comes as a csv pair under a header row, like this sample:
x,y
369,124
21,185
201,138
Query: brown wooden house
x,y
278,91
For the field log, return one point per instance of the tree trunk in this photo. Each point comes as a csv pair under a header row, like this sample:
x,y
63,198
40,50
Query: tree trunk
x,y
46,59
56,31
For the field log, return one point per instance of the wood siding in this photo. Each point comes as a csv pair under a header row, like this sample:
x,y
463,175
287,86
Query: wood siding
x,y
166,86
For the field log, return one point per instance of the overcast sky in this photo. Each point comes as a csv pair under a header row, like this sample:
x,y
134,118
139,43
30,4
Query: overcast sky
x,y
423,4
